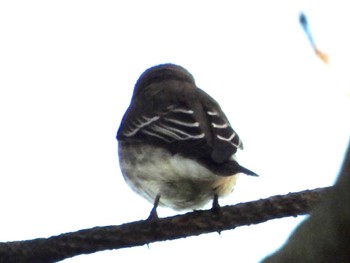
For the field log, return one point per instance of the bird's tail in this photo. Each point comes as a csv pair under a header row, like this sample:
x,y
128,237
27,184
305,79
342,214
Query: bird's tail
x,y
247,171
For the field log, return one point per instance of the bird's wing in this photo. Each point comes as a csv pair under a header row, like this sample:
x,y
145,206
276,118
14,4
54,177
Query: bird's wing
x,y
180,127
225,140
174,126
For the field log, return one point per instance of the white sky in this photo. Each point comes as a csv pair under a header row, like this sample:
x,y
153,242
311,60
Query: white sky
x,y
67,71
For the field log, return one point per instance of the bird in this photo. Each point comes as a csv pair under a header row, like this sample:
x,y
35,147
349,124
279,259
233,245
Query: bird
x,y
176,146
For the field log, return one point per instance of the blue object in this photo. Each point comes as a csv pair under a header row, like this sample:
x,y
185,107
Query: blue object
x,y
305,25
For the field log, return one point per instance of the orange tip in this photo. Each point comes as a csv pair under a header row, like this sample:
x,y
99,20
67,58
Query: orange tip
x,y
323,56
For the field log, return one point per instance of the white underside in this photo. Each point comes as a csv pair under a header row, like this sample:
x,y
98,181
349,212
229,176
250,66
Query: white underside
x,y
181,183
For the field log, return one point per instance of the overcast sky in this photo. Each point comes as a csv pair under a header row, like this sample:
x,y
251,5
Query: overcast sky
x,y
67,71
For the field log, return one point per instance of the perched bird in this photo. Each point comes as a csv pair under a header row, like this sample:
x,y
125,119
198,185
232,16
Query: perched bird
x,y
176,146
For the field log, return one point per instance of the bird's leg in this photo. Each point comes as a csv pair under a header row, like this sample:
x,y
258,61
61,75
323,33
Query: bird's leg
x,y
216,209
154,215
216,206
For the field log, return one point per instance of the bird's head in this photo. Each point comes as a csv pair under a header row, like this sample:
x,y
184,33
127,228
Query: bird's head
x,y
160,73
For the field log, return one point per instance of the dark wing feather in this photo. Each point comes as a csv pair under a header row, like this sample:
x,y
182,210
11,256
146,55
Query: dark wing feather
x,y
191,124
174,126
225,141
